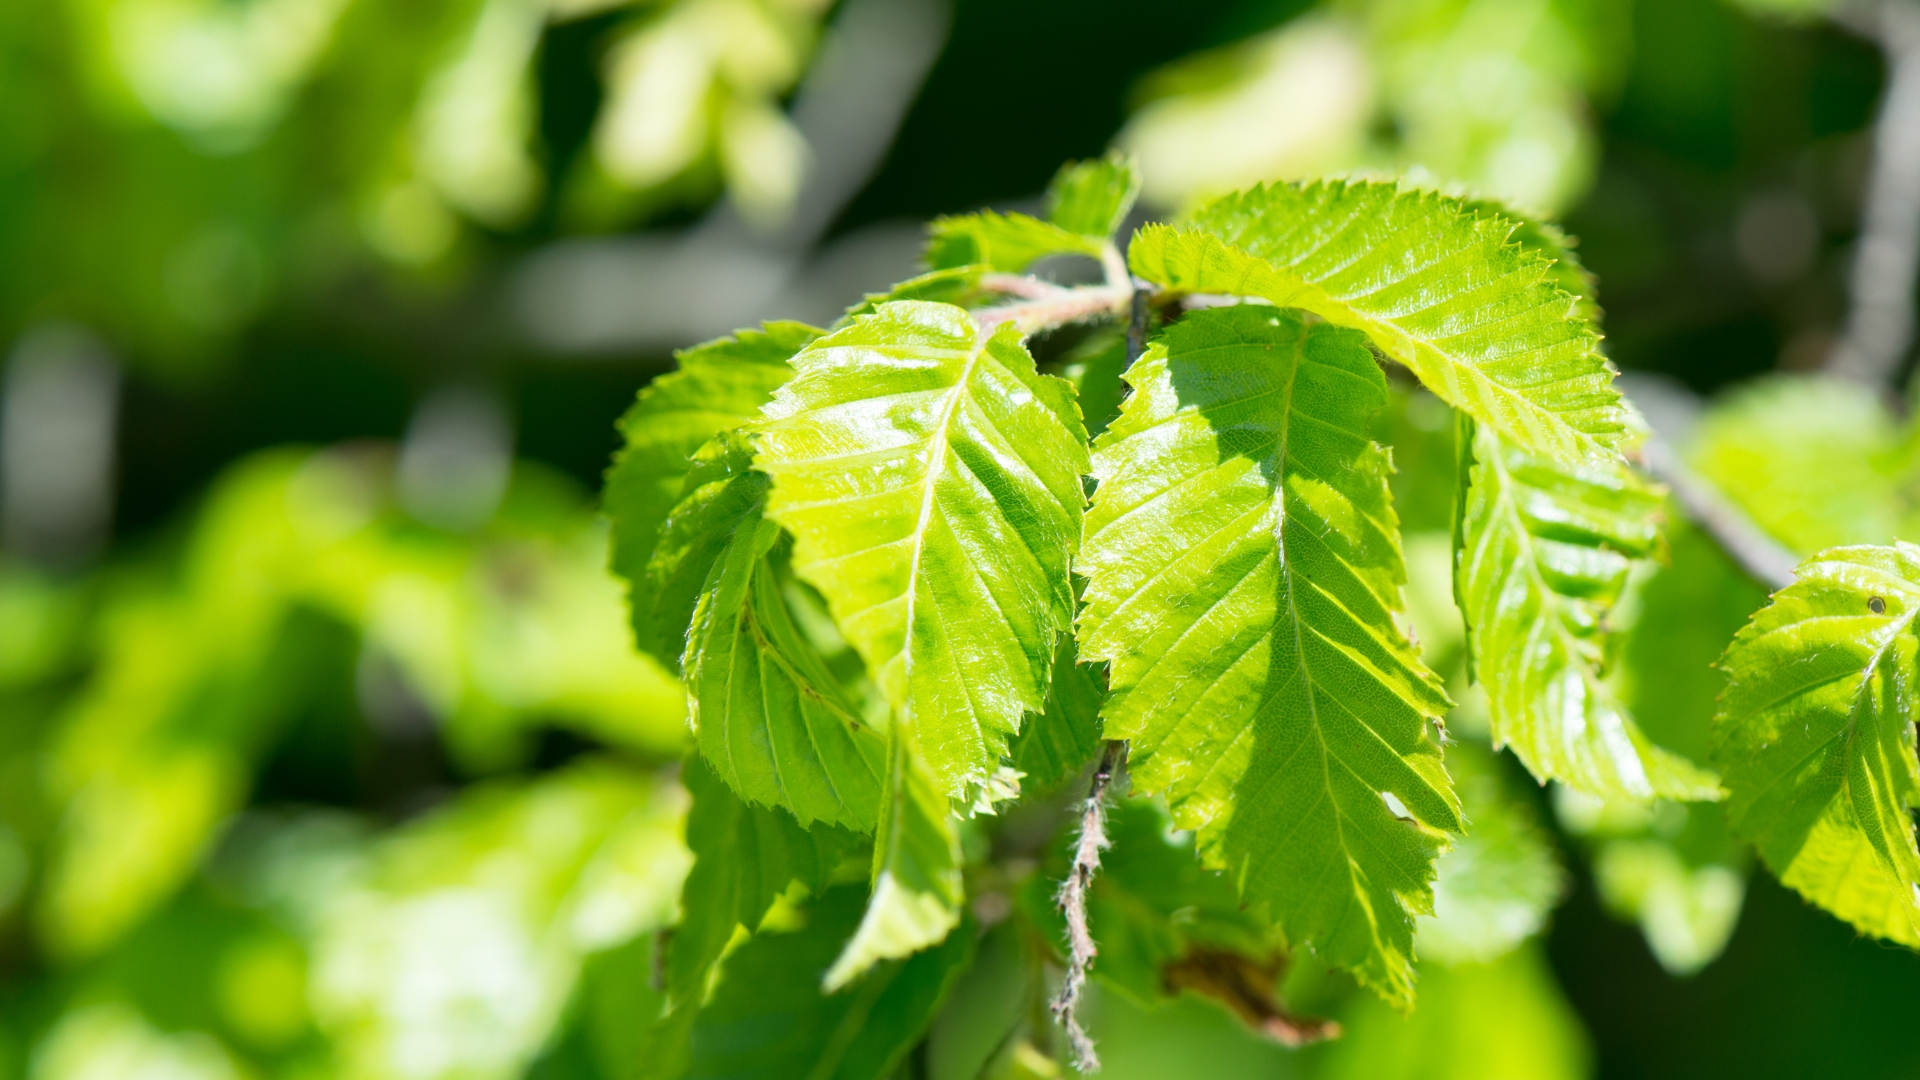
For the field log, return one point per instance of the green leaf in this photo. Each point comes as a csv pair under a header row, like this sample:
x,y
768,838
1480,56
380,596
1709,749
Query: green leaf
x,y
1436,286
1244,584
1086,203
1066,735
931,480
744,858
1545,550
1092,198
719,386
768,1017
770,718
958,285
1496,885
1815,736
1004,242
917,894
720,491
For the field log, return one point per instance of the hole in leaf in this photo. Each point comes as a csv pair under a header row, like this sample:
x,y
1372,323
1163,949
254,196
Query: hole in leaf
x,y
1876,605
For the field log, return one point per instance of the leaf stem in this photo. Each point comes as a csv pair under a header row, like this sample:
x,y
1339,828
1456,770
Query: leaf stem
x,y
1072,900
1059,307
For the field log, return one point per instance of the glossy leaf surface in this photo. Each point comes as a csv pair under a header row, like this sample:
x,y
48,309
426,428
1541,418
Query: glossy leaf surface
x,y
1244,584
1434,284
931,480
1815,736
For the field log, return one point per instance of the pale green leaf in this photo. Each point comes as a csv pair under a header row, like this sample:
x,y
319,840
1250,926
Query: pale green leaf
x,y
718,386
1815,736
917,894
1545,550
959,285
1244,584
1496,885
745,858
768,1017
1092,198
1436,286
931,480
1005,242
770,718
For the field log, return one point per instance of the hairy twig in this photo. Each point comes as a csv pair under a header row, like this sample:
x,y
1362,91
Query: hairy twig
x,y
1059,307
1760,555
1880,320
1073,904
1021,285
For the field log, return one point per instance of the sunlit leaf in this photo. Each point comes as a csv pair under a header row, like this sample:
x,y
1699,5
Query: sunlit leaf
x,y
770,718
931,480
1434,285
1545,550
1092,198
1815,736
1244,584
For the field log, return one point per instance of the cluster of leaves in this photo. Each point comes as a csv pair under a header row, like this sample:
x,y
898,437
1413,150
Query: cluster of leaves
x,y
870,551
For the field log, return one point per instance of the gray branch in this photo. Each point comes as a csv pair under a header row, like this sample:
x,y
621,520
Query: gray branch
x,y
1879,327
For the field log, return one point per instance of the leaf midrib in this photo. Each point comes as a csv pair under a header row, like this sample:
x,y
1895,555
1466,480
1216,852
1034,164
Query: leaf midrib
x,y
1282,451
936,467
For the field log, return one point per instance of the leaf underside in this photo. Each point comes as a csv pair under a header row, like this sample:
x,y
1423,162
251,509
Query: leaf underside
x,y
1244,578
1544,553
1434,284
1815,736
931,481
